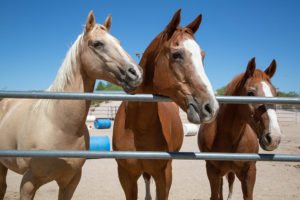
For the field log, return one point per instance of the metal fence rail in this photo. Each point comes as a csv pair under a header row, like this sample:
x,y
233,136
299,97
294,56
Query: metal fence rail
x,y
152,155
148,154
138,97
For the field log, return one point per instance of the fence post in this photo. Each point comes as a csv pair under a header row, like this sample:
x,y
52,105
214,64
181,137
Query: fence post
x,y
110,115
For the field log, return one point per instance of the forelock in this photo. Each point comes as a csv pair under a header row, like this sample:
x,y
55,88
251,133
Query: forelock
x,y
181,34
99,27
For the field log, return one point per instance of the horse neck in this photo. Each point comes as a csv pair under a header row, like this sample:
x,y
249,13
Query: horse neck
x,y
81,83
141,116
144,111
148,64
70,113
231,122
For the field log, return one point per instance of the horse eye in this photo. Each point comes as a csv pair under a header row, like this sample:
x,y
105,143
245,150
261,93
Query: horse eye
x,y
250,93
98,44
177,55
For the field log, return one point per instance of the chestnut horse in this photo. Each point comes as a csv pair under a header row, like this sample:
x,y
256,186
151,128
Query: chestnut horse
x,y
173,66
237,129
30,124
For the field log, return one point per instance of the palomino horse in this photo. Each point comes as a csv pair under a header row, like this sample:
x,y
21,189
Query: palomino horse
x,y
60,124
172,66
237,128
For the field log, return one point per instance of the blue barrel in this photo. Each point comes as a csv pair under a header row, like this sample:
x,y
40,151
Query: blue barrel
x,y
99,143
101,123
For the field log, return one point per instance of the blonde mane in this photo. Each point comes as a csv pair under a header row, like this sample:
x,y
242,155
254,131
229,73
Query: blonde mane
x,y
65,72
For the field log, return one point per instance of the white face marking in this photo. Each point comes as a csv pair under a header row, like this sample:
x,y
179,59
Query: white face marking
x,y
148,192
274,126
123,54
191,46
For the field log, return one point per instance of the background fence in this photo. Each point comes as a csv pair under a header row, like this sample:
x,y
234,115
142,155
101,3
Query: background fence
x,y
109,110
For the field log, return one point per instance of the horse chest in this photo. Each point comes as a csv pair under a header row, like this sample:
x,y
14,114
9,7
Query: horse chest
x,y
246,143
150,139
147,130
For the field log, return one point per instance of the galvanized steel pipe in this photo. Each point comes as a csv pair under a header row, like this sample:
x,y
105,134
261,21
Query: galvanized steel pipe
x,y
152,155
139,97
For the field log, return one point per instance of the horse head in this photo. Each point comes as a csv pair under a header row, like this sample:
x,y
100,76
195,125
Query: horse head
x,y
179,71
262,118
103,57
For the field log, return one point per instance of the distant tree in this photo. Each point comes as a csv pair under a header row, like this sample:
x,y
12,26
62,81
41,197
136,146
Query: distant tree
x,y
112,87
221,91
289,94
107,87
100,86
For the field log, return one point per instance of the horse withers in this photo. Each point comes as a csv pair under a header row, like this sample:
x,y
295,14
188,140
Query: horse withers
x,y
29,124
240,128
172,66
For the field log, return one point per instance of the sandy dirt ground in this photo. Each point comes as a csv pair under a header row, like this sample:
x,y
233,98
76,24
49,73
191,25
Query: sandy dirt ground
x,y
275,180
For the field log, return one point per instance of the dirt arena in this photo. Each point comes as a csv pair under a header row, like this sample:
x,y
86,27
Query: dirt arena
x,y
274,181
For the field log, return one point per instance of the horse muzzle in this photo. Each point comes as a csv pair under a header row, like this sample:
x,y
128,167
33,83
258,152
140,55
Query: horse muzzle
x,y
202,112
132,79
269,142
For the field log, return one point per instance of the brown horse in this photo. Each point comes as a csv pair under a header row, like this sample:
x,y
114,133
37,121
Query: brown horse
x,y
173,66
237,129
30,124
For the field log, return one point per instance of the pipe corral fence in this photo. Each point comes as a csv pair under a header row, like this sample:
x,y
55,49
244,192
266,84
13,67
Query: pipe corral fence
x,y
146,155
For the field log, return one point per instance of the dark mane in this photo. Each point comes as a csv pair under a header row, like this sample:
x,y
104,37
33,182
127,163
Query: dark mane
x,y
149,56
233,88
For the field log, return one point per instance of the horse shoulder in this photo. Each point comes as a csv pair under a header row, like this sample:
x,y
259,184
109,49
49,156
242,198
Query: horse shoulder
x,y
12,117
6,105
11,126
171,125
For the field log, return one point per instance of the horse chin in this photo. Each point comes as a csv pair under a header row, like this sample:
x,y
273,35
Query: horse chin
x,y
130,86
193,115
266,147
128,89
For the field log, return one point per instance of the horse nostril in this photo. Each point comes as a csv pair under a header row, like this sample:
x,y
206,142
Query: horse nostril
x,y
207,109
268,138
131,73
131,70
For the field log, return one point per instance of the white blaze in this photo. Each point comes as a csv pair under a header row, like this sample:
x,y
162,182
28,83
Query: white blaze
x,y
148,192
191,46
271,112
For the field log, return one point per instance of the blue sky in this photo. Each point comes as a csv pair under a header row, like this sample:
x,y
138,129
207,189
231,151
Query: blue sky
x,y
35,36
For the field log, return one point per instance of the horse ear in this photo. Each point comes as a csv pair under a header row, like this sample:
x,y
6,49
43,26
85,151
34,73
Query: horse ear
x,y
250,68
270,71
194,25
107,22
171,27
90,22
249,71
